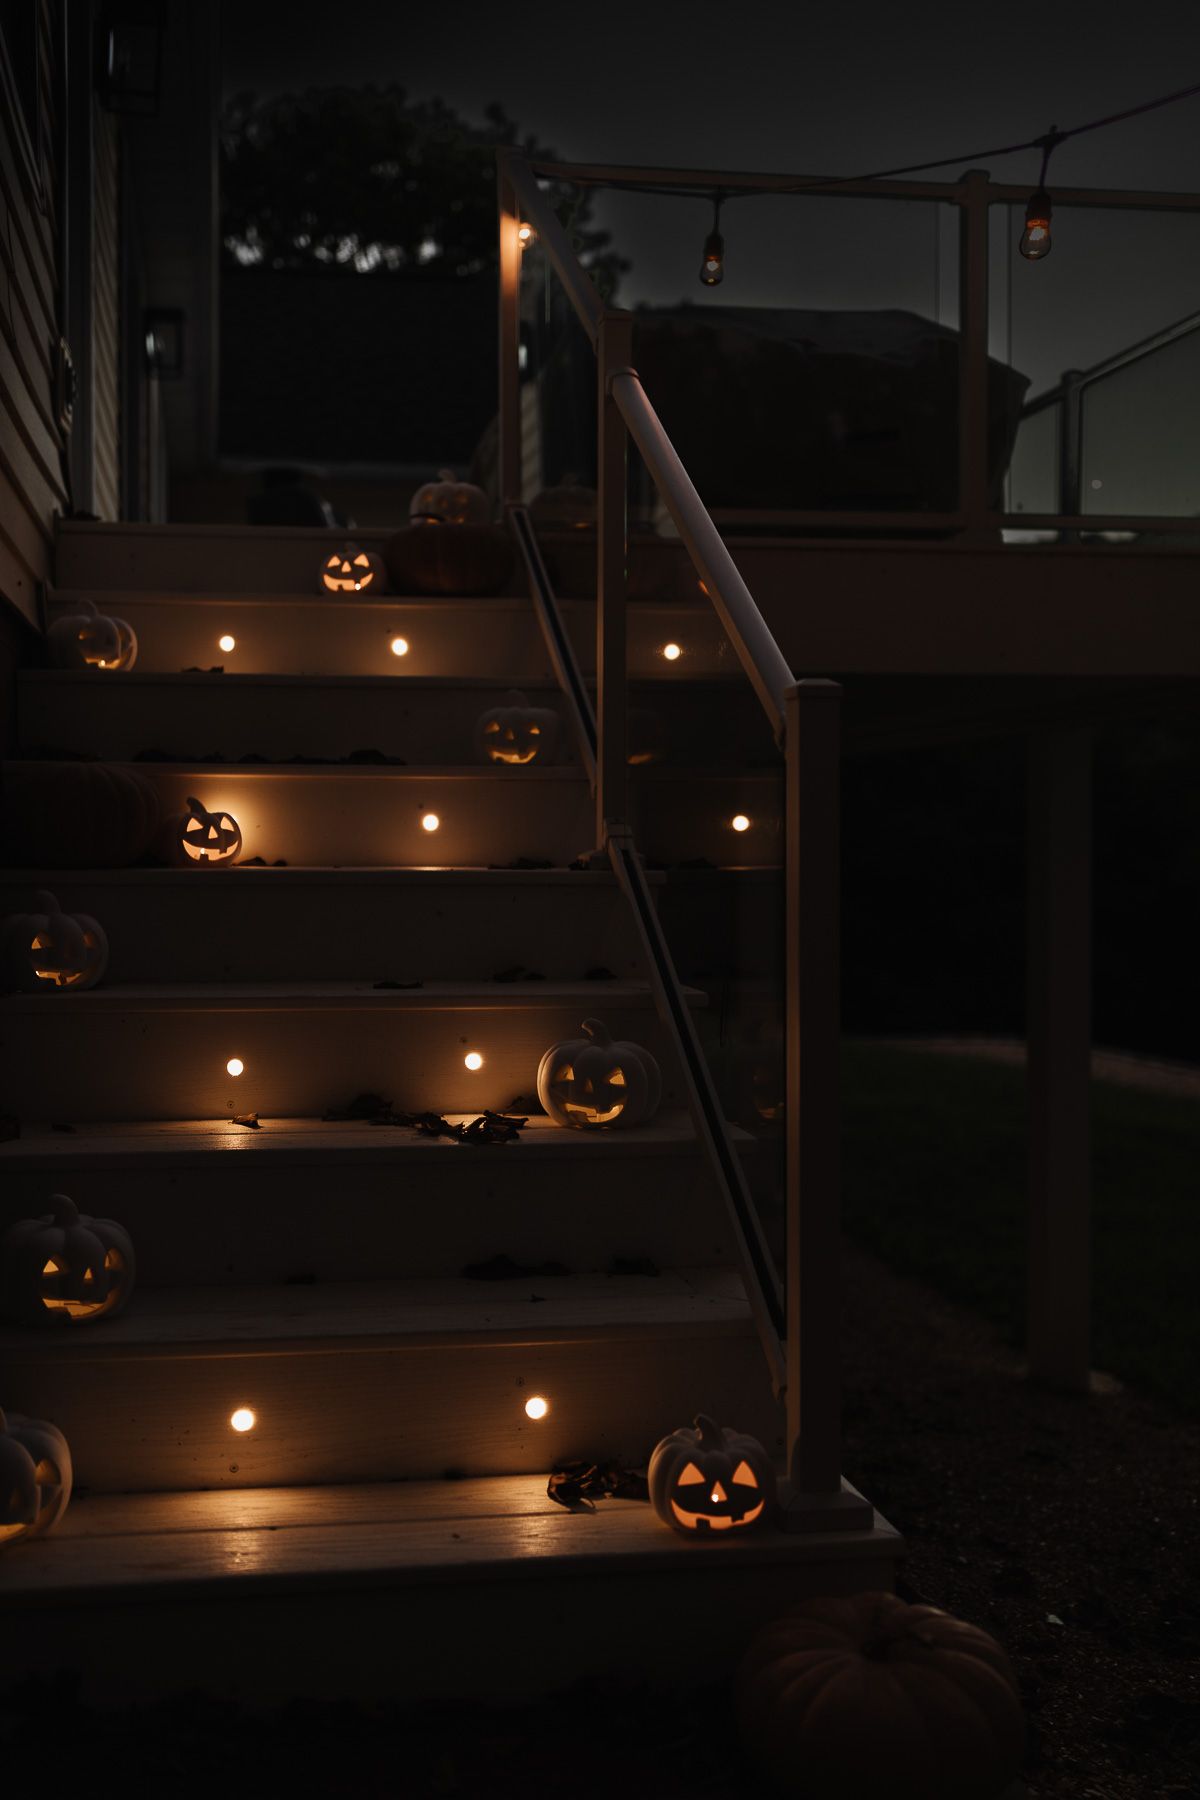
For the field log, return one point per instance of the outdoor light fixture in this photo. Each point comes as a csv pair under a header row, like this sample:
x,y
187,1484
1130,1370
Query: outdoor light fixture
x,y
162,330
526,235
473,1060
242,1418
227,642
672,652
129,49
430,822
1035,239
234,1066
399,646
740,822
537,1406
712,263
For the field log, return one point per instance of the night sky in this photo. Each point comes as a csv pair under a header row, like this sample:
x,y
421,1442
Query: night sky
x,y
846,91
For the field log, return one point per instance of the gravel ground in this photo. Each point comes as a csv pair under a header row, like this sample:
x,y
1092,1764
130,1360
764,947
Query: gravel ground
x,y
1066,1525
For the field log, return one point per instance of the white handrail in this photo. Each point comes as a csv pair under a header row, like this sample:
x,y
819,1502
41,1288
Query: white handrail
x,y
760,656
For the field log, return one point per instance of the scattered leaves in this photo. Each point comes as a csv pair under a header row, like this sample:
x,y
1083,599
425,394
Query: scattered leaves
x,y
250,1120
518,972
578,1483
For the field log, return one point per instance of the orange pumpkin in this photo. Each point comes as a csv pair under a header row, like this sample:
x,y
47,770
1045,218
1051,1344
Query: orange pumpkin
x,y
74,815
448,501
351,571
852,1699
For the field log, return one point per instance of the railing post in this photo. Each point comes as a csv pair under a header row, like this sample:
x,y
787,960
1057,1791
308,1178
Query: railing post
x,y
974,479
814,1498
509,446
614,351
1059,1047
1070,451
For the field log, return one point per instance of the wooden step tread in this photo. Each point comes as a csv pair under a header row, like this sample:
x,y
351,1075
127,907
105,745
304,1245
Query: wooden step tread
x,y
447,1311
307,1142
140,679
355,996
318,875
114,1546
347,771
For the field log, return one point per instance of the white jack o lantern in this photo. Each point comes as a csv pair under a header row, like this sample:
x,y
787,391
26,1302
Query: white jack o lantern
x,y
205,840
48,949
594,1081
87,639
351,571
450,502
515,732
65,1268
35,1477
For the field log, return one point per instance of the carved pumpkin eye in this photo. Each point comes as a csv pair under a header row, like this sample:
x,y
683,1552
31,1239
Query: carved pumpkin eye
x,y
535,731
492,725
617,1078
52,1267
360,560
566,1073
690,1476
333,562
744,1474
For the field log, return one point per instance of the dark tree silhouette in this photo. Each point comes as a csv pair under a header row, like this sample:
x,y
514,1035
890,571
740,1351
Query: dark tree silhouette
x,y
366,181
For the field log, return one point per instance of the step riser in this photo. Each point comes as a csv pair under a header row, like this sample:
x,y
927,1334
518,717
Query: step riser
x,y
330,819
252,1226
265,925
426,726
298,634
697,723
107,1061
149,1423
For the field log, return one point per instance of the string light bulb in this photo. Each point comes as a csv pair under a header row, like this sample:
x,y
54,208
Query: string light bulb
x,y
1035,239
712,263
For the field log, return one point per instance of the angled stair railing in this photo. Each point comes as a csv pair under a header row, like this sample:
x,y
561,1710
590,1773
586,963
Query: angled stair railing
x,y
799,1332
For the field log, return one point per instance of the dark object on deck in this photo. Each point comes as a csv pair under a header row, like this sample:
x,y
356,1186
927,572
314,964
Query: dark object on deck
x,y
287,499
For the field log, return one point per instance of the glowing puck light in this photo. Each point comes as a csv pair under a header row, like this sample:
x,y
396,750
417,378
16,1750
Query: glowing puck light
x,y
537,1406
399,646
430,822
740,822
243,1418
672,652
473,1060
227,642
234,1066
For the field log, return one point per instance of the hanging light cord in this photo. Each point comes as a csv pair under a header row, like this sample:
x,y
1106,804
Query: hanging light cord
x,y
1046,143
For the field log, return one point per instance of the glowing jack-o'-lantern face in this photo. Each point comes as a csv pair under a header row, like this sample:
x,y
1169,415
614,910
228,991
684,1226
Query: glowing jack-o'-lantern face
x,y
50,949
66,1268
351,571
35,1476
592,1082
516,733
207,840
710,1480
88,639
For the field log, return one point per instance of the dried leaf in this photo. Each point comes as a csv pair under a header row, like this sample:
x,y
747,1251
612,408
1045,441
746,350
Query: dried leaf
x,y
248,1119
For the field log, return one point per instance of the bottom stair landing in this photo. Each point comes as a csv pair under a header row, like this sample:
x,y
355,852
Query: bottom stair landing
x,y
429,1589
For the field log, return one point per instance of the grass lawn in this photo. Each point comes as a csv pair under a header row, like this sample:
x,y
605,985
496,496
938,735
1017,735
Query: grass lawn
x,y
934,1183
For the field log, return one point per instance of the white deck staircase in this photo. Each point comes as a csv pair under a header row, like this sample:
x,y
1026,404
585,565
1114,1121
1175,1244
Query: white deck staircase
x,y
313,1270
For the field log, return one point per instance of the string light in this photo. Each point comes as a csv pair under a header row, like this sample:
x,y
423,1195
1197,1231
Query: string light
x,y
1035,240
712,263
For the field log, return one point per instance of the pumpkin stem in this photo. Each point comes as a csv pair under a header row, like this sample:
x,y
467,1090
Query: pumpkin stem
x,y
64,1209
447,475
598,1032
45,902
711,1435
197,808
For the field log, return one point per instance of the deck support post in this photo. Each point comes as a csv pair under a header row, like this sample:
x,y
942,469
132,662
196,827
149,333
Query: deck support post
x,y
509,446
614,350
974,474
814,1497
1059,1065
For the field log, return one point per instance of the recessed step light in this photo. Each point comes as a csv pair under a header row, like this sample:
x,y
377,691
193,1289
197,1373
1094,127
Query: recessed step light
x,y
430,822
537,1406
399,646
740,822
227,642
243,1418
234,1066
473,1060
672,652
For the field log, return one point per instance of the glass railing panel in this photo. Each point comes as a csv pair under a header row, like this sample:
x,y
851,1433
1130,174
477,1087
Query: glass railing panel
x,y
1140,435
822,373
1033,471
1114,280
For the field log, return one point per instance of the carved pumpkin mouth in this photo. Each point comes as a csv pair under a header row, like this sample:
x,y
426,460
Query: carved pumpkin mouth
x,y
711,1521
80,1306
592,1114
513,756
